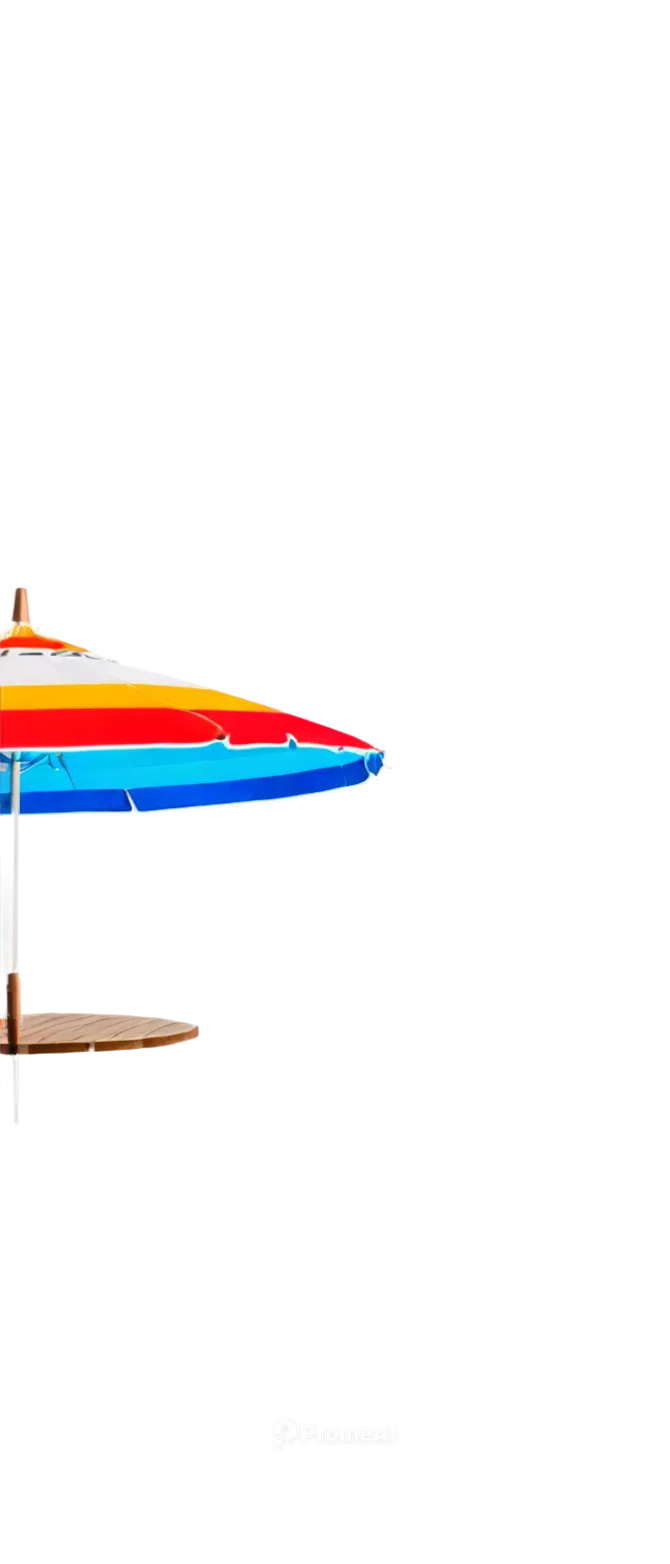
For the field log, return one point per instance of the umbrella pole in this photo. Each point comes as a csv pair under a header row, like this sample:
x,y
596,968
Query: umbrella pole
x,y
13,980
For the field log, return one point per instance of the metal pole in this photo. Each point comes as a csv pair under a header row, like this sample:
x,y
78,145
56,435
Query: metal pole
x,y
13,981
20,616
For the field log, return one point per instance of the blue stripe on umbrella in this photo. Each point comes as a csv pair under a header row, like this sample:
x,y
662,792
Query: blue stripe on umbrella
x,y
198,795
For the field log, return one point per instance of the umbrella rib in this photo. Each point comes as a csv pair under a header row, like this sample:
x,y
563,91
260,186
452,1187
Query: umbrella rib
x,y
67,771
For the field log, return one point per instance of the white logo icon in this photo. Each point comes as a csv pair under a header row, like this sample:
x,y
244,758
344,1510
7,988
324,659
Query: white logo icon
x,y
284,1430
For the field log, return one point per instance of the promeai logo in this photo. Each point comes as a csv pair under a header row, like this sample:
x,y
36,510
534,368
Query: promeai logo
x,y
309,1433
284,1430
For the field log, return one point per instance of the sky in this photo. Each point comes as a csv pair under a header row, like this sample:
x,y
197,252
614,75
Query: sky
x,y
368,296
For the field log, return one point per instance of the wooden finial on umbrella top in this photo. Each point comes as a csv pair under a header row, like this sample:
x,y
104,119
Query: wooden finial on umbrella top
x,y
19,604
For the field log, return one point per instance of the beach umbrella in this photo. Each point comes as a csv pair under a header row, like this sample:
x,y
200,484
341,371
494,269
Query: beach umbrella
x,y
79,732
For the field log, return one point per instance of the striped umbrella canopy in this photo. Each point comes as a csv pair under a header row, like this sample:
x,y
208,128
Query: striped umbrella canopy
x,y
91,734
81,733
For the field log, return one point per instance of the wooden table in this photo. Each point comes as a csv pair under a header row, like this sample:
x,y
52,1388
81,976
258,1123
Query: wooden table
x,y
74,1033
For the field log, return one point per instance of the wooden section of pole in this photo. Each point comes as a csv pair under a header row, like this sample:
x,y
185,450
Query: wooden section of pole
x,y
13,1012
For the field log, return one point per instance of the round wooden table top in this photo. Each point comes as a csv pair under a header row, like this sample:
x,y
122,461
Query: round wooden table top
x,y
75,1033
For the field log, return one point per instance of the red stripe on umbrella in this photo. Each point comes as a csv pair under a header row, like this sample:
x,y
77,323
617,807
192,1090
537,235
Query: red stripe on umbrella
x,y
57,730
276,727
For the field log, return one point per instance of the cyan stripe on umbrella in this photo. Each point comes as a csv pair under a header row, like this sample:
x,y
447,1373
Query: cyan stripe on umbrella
x,y
89,769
